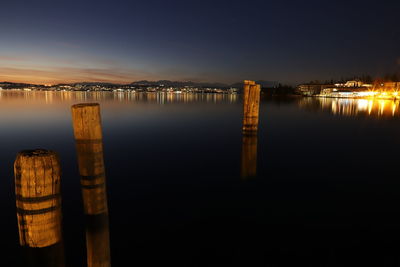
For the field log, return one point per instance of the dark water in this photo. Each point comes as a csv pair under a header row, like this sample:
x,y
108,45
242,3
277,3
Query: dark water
x,y
327,190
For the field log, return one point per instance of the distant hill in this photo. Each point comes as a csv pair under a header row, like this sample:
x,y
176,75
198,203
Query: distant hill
x,y
92,84
264,84
145,83
7,85
168,83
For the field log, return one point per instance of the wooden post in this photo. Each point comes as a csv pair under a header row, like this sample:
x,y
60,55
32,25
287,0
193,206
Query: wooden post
x,y
38,202
251,106
98,240
89,144
249,155
251,103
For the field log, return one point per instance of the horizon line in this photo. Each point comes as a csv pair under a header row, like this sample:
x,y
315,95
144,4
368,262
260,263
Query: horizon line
x,y
127,83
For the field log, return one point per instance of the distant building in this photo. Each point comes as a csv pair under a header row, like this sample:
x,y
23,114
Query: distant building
x,y
349,88
348,92
312,89
386,86
355,84
356,89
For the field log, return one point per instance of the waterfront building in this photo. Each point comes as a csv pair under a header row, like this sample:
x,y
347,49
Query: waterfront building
x,y
353,89
312,89
386,86
354,83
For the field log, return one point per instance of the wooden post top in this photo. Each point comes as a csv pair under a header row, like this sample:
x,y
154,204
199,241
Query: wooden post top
x,y
37,153
36,168
248,82
85,105
38,201
87,121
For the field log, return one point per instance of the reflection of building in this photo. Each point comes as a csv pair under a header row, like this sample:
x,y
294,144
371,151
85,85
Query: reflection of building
x,y
352,107
56,97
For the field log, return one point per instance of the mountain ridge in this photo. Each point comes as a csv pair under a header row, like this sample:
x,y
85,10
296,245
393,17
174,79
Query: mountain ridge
x,y
165,83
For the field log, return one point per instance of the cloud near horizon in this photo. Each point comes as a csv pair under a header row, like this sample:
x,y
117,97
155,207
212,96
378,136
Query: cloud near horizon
x,y
70,75
48,69
43,68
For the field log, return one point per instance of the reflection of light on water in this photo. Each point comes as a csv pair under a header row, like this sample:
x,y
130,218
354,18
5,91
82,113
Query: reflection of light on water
x,y
370,105
362,105
54,97
353,107
382,104
334,107
232,98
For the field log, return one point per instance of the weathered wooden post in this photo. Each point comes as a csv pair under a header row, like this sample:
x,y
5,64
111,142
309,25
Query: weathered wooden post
x,y
89,144
251,106
38,202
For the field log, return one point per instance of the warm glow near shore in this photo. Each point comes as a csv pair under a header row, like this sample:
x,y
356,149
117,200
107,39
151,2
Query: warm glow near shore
x,y
365,95
67,75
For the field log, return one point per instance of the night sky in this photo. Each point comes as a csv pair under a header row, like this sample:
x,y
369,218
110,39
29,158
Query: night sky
x,y
199,40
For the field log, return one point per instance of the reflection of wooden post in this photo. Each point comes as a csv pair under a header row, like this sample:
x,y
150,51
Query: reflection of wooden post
x,y
38,201
251,103
249,155
98,240
89,144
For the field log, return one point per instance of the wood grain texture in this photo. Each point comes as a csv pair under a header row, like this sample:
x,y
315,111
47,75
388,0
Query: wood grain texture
x,y
38,199
88,136
89,144
251,106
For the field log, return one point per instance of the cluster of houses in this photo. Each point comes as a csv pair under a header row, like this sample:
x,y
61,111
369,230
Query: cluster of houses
x,y
352,89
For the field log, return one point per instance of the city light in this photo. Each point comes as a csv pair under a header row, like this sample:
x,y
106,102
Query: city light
x,y
353,89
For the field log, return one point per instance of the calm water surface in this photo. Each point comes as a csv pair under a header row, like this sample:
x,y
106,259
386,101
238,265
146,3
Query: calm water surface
x,y
327,190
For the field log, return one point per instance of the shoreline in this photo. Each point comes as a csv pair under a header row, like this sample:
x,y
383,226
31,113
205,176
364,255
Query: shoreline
x,y
359,97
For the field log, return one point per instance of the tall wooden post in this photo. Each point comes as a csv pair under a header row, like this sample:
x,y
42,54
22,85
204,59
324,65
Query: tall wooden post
x,y
38,201
251,106
89,144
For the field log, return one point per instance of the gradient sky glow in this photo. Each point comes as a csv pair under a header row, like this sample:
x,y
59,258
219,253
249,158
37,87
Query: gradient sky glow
x,y
200,40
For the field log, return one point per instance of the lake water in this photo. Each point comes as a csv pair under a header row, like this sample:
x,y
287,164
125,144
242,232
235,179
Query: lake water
x,y
326,193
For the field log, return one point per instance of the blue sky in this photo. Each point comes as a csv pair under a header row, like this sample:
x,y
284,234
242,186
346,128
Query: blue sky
x,y
221,41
